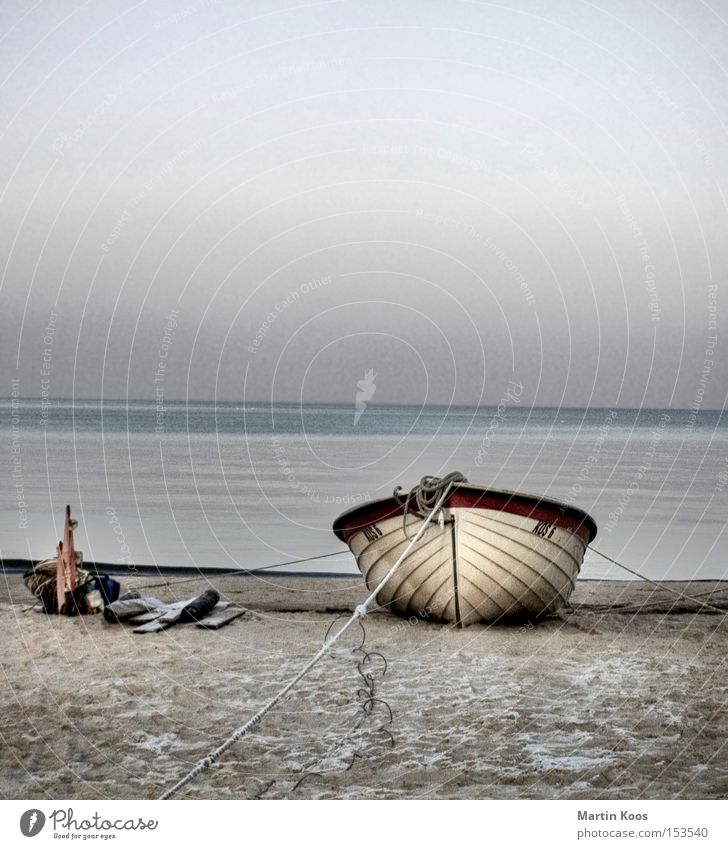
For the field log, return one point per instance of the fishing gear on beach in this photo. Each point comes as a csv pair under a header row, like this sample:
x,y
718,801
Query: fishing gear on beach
x,y
63,586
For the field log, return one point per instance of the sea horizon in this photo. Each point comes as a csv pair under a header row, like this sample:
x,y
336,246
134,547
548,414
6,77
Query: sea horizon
x,y
370,404
232,485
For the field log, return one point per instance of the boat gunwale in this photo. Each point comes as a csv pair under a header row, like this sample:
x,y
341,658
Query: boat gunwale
x,y
534,506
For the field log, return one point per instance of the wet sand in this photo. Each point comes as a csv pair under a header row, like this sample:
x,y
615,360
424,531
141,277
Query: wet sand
x,y
593,703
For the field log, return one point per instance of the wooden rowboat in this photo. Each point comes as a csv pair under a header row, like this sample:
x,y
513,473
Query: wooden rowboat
x,y
488,554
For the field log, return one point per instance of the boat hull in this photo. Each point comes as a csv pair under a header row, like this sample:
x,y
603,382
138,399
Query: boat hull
x,y
483,559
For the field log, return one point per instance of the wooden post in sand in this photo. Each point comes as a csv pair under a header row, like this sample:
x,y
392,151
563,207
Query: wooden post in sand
x,y
66,561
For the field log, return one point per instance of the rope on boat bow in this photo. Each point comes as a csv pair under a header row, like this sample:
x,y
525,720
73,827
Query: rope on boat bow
x,y
425,495
359,613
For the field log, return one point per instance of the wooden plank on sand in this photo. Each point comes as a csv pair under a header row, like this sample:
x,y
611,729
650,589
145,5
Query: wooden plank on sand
x,y
151,627
171,614
219,618
143,618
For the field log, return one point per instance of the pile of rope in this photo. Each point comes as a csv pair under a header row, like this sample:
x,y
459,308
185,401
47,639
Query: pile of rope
x,y
41,580
422,498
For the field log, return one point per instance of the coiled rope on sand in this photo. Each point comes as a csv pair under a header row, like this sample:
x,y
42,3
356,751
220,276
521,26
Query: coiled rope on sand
x,y
359,613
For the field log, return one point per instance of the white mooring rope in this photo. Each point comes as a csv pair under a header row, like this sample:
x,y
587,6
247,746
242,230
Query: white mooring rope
x,y
358,613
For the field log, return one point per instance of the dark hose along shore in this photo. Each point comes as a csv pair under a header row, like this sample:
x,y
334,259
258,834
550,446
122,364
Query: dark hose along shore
x,y
620,695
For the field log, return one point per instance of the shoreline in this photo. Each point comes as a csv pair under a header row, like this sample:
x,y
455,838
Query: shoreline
x,y
18,566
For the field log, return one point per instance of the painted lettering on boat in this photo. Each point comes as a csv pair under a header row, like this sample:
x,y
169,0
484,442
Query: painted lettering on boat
x,y
372,533
544,529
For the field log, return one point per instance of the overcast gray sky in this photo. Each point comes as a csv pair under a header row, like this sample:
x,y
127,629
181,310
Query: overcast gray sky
x,y
453,194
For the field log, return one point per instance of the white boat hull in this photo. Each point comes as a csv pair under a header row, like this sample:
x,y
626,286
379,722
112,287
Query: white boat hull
x,y
473,564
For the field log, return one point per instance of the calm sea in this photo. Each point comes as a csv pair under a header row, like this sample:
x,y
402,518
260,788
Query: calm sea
x,y
234,486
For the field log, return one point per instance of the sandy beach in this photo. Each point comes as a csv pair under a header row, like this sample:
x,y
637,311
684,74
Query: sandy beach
x,y
593,703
